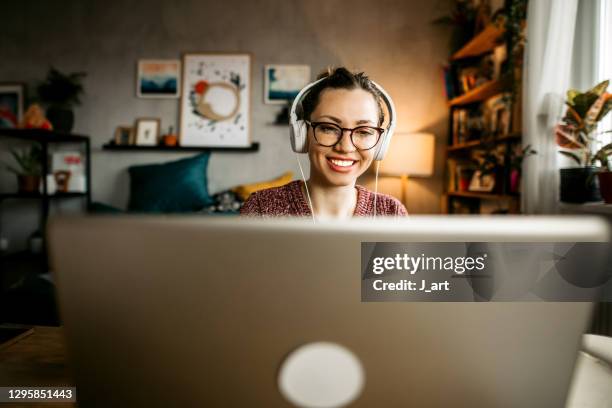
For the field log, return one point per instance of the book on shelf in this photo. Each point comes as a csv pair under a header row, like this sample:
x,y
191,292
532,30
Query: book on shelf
x,y
460,174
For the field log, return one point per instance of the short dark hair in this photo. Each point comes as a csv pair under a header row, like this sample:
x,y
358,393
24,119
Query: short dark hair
x,y
340,78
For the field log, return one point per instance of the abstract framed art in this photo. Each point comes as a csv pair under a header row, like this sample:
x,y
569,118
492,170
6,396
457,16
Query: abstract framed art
x,y
215,102
158,79
282,83
12,99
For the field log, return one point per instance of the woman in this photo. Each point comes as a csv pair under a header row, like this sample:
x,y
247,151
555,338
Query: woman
x,y
344,117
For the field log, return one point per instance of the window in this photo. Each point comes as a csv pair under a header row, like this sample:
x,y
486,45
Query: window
x,y
604,63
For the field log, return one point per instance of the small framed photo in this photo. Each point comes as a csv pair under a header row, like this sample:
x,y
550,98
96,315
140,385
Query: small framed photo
x,y
282,83
147,131
11,104
124,135
158,79
482,183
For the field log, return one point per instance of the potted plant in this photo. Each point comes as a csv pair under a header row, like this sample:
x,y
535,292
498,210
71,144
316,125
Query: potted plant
x,y
516,166
577,138
605,174
61,93
30,168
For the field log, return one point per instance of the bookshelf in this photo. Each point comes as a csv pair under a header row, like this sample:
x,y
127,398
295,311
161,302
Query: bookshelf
x,y
484,127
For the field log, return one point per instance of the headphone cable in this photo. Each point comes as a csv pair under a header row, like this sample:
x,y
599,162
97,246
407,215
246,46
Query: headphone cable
x,y
376,188
306,185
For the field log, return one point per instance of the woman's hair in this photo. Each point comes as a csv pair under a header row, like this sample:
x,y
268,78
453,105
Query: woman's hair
x,y
340,78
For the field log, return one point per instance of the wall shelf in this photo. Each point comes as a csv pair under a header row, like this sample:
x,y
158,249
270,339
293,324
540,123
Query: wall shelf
x,y
482,195
133,148
476,143
478,94
43,136
483,42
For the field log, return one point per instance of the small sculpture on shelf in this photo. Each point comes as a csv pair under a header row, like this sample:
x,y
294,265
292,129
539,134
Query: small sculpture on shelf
x,y
34,118
170,139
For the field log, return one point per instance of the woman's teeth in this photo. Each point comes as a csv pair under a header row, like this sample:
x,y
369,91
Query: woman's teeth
x,y
342,163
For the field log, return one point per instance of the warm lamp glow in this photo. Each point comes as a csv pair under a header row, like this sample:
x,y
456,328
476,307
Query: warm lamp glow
x,y
410,154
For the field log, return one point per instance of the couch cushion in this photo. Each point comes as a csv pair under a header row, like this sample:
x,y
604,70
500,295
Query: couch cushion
x,y
177,186
245,190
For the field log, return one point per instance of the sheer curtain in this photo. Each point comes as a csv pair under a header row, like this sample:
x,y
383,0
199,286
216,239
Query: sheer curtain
x,y
548,59
567,46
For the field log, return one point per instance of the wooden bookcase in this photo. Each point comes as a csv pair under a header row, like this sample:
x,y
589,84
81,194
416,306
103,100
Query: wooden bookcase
x,y
466,144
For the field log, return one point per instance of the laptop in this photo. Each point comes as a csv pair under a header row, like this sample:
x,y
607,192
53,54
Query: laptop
x,y
196,311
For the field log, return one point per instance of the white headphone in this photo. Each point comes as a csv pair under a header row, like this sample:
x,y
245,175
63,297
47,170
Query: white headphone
x,y
299,128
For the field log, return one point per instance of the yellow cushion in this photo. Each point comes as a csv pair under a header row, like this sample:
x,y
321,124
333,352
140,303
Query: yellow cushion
x,y
245,190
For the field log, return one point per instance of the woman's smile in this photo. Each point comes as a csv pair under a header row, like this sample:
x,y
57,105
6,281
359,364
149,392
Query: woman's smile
x,y
341,165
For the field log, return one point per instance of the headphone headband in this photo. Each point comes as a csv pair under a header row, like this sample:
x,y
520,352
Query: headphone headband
x,y
299,129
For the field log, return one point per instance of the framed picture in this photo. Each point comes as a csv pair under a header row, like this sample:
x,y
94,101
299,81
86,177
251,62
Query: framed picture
x,y
124,135
482,183
147,131
11,104
158,79
215,102
282,83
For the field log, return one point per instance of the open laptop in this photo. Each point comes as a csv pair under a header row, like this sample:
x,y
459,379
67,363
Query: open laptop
x,y
195,311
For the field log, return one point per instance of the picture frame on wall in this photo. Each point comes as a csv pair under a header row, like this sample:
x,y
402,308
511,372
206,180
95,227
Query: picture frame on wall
x,y
124,136
282,82
12,101
158,78
215,102
147,131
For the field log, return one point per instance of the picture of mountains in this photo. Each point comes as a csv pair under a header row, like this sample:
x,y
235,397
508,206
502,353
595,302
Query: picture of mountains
x,y
159,85
158,79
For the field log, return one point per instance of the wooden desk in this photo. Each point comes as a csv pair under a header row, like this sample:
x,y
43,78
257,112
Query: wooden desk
x,y
36,360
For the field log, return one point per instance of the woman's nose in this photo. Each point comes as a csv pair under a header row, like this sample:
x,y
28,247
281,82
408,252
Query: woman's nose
x,y
345,144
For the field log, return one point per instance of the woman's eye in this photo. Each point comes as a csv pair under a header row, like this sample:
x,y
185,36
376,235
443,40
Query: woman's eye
x,y
365,132
328,129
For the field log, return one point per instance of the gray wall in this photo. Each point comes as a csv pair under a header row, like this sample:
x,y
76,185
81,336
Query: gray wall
x,y
392,40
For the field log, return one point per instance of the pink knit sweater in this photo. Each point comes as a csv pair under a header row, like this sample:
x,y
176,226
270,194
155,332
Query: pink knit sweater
x,y
289,201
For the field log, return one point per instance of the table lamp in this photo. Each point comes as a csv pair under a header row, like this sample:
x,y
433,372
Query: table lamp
x,y
410,154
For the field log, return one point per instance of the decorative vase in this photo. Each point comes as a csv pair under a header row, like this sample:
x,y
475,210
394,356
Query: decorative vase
x,y
62,119
28,183
515,181
580,184
605,185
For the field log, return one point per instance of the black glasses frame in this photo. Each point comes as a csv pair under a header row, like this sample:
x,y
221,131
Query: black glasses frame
x,y
314,125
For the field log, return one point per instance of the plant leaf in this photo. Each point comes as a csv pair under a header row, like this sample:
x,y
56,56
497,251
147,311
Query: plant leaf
x,y
572,156
571,95
600,88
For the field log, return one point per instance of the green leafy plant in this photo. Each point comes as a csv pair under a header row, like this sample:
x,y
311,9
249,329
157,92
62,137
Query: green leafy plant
x,y
517,159
59,89
29,161
576,135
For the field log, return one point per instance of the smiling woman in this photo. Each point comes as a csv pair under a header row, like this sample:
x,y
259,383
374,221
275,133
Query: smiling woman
x,y
343,115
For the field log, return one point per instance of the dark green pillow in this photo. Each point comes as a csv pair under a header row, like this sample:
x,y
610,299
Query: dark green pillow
x,y
178,186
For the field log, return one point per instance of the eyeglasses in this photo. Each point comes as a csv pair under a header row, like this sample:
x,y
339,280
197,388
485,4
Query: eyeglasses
x,y
329,134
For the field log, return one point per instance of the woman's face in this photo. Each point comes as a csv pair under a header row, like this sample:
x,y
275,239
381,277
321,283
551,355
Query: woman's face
x,y
340,165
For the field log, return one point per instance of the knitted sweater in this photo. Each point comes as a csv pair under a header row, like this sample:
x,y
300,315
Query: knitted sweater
x,y
289,201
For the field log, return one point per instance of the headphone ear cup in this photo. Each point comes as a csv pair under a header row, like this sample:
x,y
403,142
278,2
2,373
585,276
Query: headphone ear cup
x,y
383,146
299,137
